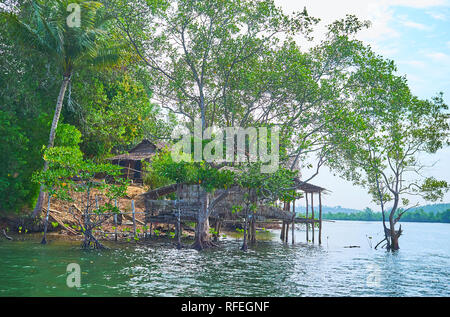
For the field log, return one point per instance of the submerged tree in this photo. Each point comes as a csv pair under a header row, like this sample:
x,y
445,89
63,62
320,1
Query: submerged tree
x,y
379,138
46,31
68,174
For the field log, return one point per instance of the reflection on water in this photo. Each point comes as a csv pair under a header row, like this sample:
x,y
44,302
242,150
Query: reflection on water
x,y
420,268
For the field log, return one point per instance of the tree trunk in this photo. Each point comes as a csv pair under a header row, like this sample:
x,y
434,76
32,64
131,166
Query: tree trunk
x,y
394,235
38,208
202,235
394,242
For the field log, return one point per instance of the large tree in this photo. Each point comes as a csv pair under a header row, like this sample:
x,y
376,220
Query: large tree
x,y
380,138
46,31
194,48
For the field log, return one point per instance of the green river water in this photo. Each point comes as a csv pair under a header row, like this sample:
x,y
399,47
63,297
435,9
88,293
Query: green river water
x,y
270,268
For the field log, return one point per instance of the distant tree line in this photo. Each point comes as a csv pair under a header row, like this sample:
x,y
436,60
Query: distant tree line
x,y
418,215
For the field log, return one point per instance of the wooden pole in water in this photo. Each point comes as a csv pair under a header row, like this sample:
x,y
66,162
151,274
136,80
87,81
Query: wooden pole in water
x,y
134,217
283,229
320,217
307,224
44,239
287,232
115,221
293,221
312,215
178,229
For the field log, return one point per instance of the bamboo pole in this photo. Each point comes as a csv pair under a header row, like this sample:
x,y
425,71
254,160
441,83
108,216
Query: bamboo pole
x,y
312,216
320,217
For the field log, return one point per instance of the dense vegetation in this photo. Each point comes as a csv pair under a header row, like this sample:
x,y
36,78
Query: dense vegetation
x,y
146,69
110,106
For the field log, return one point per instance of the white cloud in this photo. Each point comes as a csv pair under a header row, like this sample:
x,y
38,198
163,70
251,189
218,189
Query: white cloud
x,y
415,25
437,15
420,4
379,12
414,63
438,56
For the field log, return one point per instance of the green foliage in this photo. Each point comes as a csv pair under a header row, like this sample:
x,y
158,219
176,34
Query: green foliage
x,y
69,172
73,46
383,130
208,177
14,188
268,186
114,111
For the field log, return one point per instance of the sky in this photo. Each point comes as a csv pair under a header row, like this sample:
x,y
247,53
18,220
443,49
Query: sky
x,y
413,33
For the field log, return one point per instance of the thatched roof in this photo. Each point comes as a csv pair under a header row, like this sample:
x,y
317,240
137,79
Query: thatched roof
x,y
144,150
308,187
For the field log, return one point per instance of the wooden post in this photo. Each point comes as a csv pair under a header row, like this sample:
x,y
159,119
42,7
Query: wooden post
x,y
178,228
293,221
219,227
307,224
287,232
151,223
312,215
253,228
115,221
134,217
44,239
128,170
320,217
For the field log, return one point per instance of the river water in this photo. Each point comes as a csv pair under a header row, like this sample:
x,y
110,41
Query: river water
x,y
420,268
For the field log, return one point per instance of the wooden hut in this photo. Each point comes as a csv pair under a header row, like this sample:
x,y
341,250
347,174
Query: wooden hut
x,y
132,161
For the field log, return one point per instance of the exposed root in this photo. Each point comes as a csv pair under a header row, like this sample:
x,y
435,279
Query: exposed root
x,y
90,242
202,245
6,236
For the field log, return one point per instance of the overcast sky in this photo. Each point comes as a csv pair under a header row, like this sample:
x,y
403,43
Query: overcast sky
x,y
416,35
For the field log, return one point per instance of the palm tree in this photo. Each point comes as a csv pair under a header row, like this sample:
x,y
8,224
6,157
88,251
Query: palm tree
x,y
47,31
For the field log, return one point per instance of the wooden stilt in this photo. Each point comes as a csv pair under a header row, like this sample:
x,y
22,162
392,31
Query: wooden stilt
x,y
307,225
115,221
253,229
287,232
178,227
134,217
320,217
293,221
312,216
